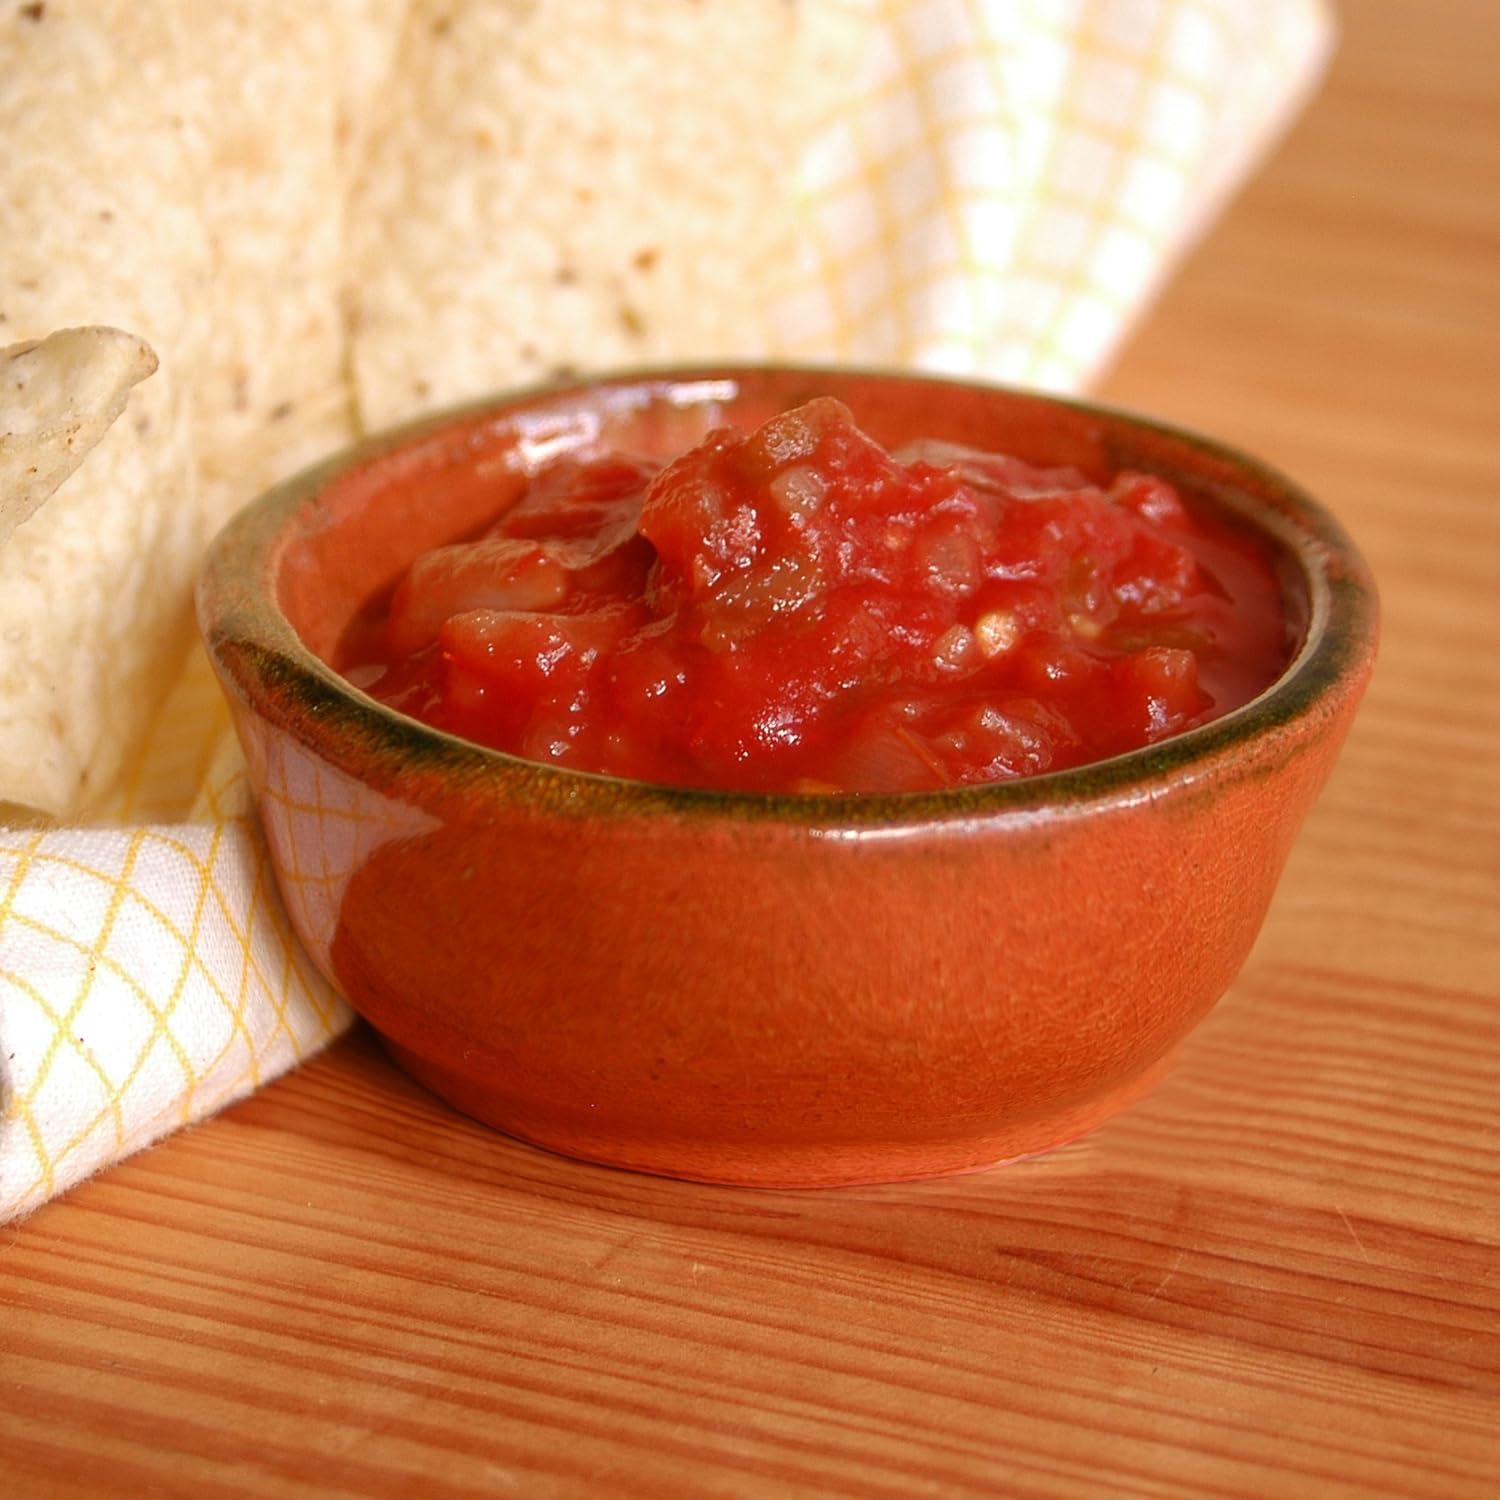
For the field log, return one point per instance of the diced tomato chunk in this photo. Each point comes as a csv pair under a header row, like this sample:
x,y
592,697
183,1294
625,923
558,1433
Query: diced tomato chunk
x,y
498,573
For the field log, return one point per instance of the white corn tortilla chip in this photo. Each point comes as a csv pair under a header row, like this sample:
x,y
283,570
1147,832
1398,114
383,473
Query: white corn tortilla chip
x,y
559,184
178,169
57,397
88,614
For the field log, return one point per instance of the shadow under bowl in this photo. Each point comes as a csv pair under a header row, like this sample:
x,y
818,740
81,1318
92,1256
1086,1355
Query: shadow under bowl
x,y
730,987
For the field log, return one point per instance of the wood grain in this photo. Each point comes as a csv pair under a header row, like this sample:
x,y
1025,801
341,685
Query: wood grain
x,y
1279,1276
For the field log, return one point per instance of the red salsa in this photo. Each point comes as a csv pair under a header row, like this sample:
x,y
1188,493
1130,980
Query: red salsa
x,y
797,609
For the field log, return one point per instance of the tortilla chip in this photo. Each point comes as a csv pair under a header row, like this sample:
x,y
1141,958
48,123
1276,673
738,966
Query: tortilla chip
x,y
287,134
571,184
57,397
178,170
88,612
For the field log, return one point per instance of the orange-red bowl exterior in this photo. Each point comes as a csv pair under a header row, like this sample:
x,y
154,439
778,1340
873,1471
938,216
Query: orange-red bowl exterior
x,y
755,989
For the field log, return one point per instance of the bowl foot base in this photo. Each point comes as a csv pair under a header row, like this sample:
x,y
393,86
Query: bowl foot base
x,y
777,1164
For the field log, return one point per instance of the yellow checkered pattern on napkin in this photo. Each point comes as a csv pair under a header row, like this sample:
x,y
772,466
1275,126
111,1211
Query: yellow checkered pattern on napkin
x,y
148,975
1009,191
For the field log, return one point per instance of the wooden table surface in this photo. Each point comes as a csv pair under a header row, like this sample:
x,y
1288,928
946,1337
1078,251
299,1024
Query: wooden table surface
x,y
1278,1276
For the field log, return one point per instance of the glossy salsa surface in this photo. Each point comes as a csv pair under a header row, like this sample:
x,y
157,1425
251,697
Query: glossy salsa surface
x,y
798,610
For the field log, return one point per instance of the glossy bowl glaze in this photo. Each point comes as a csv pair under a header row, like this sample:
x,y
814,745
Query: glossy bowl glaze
x,y
762,989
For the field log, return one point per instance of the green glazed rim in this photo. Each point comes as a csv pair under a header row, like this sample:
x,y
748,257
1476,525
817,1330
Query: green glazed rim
x,y
254,645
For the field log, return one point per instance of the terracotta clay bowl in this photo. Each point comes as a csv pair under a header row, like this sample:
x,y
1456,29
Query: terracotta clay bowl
x,y
746,988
